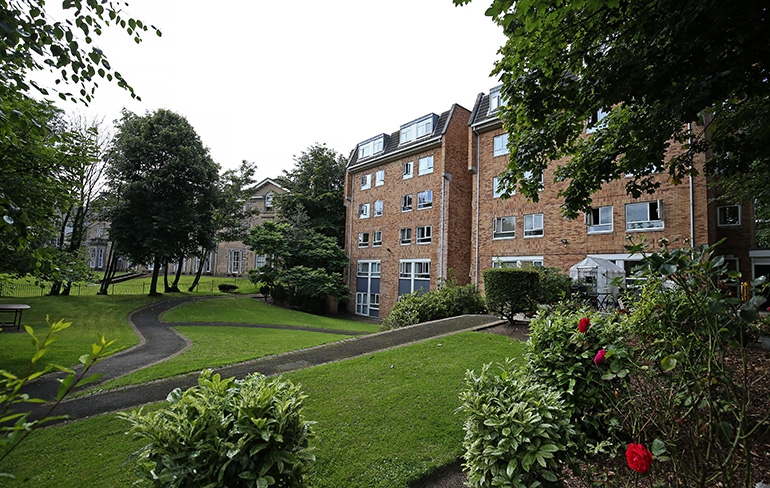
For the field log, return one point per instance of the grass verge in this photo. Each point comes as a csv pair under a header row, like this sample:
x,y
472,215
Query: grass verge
x,y
384,420
250,311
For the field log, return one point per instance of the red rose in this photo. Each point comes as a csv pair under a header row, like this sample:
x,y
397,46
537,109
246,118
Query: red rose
x,y
639,459
599,358
583,325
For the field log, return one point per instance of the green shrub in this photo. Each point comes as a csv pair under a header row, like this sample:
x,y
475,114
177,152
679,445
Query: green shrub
x,y
225,433
554,284
563,358
516,430
510,291
448,300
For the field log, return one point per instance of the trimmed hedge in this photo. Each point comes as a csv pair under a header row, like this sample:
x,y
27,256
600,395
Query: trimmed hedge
x,y
511,291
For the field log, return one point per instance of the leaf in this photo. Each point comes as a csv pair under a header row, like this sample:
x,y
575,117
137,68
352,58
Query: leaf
x,y
668,363
658,447
667,269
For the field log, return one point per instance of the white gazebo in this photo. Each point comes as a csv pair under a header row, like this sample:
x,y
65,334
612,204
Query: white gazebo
x,y
597,274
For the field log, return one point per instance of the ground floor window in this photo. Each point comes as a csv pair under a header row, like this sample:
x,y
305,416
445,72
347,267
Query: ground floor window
x,y
413,274
517,261
234,261
362,303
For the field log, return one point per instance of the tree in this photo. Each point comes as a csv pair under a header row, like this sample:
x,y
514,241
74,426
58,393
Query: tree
x,y
231,219
39,169
305,266
692,71
167,186
317,184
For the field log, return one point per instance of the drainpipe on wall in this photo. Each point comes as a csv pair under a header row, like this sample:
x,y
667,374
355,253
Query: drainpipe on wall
x,y
445,178
478,178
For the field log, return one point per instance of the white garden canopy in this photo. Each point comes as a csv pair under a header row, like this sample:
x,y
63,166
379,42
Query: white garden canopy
x,y
597,274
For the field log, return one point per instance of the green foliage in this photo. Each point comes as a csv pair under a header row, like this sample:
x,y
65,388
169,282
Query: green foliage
x,y
561,357
563,63
167,187
316,186
15,427
516,433
510,291
305,265
447,300
225,433
554,284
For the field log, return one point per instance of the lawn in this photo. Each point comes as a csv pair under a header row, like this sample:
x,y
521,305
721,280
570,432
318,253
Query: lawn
x,y
383,421
91,317
250,311
26,287
218,346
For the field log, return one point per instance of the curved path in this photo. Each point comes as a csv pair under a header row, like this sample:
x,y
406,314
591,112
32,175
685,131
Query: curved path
x,y
158,342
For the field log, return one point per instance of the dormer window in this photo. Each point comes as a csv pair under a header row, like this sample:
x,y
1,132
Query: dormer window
x,y
417,129
268,201
495,99
371,147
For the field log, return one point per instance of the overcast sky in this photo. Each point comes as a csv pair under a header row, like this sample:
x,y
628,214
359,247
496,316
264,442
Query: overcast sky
x,y
263,80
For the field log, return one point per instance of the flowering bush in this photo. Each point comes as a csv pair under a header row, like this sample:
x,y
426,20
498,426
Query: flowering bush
x,y
600,356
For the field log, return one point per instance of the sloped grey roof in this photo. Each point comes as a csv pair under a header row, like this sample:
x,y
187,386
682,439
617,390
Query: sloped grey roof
x,y
392,141
480,114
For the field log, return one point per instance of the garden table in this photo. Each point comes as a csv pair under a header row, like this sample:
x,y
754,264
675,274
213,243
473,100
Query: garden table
x,y
16,310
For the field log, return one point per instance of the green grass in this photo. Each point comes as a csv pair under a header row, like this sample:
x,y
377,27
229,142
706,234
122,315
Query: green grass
x,y
383,421
26,287
91,317
218,346
250,311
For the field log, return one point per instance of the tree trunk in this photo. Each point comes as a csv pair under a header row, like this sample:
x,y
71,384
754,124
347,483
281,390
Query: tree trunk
x,y
175,284
57,285
109,273
166,287
154,281
201,264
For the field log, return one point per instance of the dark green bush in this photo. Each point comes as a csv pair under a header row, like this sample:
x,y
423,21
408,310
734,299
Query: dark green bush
x,y
516,431
448,300
554,284
511,291
225,433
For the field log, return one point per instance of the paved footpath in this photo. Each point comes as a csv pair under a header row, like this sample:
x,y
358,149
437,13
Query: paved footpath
x,y
159,342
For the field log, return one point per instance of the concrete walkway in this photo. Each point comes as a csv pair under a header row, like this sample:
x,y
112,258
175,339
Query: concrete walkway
x,y
158,342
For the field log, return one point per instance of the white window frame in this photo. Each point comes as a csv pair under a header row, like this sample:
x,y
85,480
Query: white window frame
x,y
371,147
363,239
268,201
414,269
379,178
495,100
366,182
496,191
531,230
92,257
378,208
425,166
407,134
406,203
377,238
259,260
100,257
500,145
596,121
424,127
363,211
374,301
497,228
721,213
649,224
234,260
407,170
597,222
99,231
362,303
425,200
424,234
405,236
516,261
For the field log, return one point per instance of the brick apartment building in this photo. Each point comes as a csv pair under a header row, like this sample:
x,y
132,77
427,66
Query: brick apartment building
x,y
512,231
418,207
408,217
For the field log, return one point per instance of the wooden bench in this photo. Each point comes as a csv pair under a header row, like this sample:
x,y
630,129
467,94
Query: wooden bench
x,y
16,310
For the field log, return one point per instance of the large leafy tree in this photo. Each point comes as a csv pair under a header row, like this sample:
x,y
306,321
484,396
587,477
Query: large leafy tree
x,y
691,71
305,265
316,184
167,187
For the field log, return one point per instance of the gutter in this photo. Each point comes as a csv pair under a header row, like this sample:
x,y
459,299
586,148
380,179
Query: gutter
x,y
692,198
399,153
478,188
